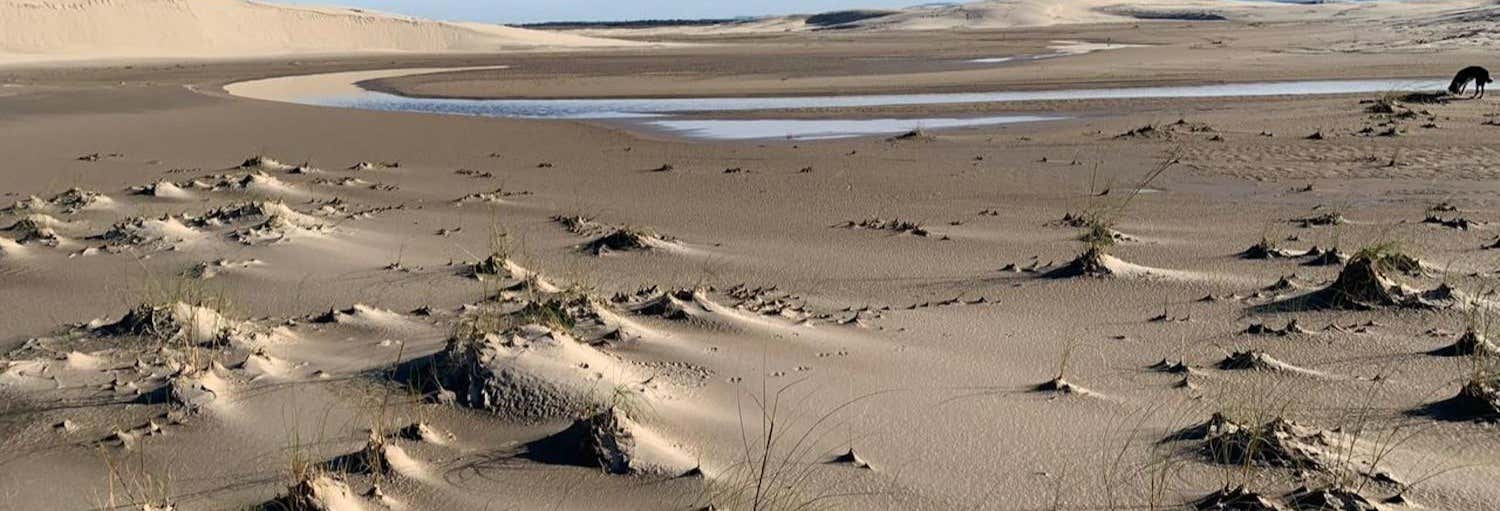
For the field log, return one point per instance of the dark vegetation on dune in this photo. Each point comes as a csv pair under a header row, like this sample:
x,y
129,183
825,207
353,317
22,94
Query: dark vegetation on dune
x,y
829,19
654,23
1183,15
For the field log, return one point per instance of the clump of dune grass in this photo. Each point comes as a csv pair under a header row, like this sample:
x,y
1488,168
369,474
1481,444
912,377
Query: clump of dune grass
x,y
552,313
1475,339
1390,256
1097,227
783,452
1364,282
1480,394
135,485
496,263
1060,383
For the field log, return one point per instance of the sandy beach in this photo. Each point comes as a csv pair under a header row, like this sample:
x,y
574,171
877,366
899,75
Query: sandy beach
x,y
1279,302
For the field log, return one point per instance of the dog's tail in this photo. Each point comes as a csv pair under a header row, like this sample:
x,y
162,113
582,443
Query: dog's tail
x,y
1458,83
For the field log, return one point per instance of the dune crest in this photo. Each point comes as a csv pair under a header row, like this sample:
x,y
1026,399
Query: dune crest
x,y
50,30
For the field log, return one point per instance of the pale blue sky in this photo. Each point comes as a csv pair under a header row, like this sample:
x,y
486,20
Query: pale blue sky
x,y
526,11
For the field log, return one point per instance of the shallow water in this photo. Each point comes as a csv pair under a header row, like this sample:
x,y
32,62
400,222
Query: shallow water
x,y
655,113
820,129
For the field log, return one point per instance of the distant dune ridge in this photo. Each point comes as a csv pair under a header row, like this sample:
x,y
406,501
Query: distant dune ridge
x,y
999,14
41,30
1028,13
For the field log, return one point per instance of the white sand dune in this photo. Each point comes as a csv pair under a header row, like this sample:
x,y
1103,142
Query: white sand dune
x,y
53,30
1001,14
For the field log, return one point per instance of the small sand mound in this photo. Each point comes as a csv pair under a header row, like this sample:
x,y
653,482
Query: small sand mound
x,y
249,211
602,441
1236,499
71,201
9,247
1457,222
378,457
579,224
1363,284
259,162
614,443
496,196
769,301
260,365
1165,132
165,233
278,229
1091,263
371,165
1255,360
255,182
1325,219
1267,249
625,239
1216,425
163,190
611,239
189,390
423,432
1075,220
1331,498
654,301
208,270
318,492
1096,262
1062,386
894,225
1330,257
1471,343
1277,443
198,391
529,373
1287,283
494,268
852,459
1173,367
271,222
363,315
1480,397
264,184
1291,328
37,228
176,322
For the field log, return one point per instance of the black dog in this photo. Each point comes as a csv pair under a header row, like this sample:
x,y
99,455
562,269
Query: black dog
x,y
1480,76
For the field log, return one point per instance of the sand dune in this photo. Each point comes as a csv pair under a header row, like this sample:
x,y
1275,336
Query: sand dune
x,y
51,30
1001,14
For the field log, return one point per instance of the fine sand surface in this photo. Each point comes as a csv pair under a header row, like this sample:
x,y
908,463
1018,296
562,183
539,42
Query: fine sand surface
x,y
212,302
